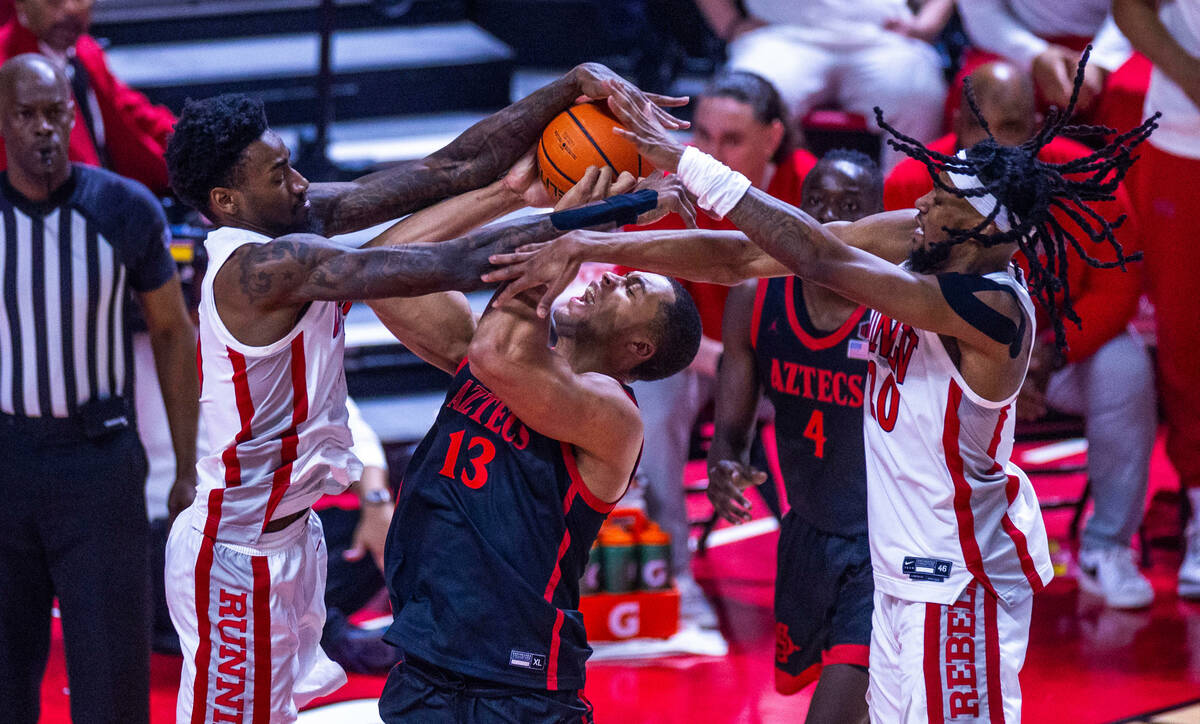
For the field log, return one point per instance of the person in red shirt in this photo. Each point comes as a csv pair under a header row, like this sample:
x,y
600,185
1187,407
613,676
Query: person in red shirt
x,y
115,126
741,120
1107,375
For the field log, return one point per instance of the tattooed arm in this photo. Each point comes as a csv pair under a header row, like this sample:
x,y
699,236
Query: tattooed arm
x,y
477,157
815,252
263,288
717,257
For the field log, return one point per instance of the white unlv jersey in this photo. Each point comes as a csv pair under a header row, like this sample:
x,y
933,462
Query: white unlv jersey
x,y
275,416
944,503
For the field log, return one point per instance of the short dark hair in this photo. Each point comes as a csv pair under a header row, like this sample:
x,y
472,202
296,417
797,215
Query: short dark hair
x,y
676,331
764,101
209,139
863,161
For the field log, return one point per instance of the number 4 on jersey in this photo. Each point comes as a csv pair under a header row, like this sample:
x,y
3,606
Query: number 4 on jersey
x,y
815,431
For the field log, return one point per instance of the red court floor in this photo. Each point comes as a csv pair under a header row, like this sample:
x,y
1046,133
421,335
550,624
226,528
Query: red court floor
x,y
1086,663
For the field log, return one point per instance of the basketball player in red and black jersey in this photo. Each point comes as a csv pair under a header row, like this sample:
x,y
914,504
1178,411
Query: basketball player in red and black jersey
x,y
503,498
805,346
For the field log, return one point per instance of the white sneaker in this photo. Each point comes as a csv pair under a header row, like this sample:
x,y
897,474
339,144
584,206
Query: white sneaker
x,y
1189,570
1112,574
694,608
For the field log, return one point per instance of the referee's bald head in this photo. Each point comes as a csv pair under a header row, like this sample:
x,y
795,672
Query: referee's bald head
x,y
34,69
36,117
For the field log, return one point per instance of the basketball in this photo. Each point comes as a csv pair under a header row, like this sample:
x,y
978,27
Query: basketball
x,y
582,136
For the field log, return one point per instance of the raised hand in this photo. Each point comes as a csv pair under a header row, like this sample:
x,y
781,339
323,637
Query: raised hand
x,y
726,481
551,264
597,184
524,182
650,136
597,81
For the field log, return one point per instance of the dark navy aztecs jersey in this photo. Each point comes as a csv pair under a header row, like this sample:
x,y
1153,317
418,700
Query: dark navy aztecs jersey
x,y
489,539
815,381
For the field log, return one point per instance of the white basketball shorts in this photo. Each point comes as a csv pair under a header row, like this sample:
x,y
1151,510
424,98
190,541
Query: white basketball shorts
x,y
249,619
932,663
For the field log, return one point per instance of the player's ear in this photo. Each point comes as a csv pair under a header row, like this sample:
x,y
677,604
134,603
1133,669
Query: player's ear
x,y
225,200
640,348
777,131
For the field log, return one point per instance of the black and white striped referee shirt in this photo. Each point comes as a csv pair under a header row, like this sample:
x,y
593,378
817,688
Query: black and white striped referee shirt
x,y
66,265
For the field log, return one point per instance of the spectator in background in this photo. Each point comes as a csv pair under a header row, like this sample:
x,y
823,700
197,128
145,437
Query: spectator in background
x,y
857,54
740,120
1045,39
1107,376
115,126
1164,190
74,516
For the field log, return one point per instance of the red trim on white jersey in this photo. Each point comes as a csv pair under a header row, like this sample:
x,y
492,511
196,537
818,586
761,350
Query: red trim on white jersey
x,y
1028,567
291,440
962,490
245,408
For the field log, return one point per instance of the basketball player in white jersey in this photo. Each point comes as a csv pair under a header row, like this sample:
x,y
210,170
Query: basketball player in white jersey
x,y
957,541
245,565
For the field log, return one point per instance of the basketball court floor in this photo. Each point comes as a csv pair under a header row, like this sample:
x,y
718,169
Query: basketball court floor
x,y
1086,664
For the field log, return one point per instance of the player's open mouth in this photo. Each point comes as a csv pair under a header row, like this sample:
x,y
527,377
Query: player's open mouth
x,y
588,297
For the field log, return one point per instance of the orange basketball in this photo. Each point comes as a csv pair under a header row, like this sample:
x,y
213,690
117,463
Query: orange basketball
x,y
582,136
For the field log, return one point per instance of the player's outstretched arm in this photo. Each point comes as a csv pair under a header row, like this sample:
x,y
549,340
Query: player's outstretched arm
x,y
807,248
479,156
438,327
738,387
717,257
510,354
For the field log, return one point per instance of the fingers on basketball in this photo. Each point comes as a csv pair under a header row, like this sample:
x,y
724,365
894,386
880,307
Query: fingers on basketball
x,y
580,137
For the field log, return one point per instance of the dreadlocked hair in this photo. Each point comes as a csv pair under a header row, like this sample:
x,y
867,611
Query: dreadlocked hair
x,y
1029,190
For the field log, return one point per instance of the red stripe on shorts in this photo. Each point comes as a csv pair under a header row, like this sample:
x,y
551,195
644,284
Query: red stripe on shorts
x,y
991,644
933,662
262,639
204,560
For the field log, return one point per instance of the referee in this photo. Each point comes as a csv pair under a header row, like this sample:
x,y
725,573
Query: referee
x,y
73,241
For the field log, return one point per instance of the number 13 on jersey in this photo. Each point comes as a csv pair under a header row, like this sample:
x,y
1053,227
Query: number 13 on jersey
x,y
480,452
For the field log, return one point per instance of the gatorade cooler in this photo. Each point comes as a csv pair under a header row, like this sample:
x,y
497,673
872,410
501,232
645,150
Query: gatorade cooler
x,y
630,548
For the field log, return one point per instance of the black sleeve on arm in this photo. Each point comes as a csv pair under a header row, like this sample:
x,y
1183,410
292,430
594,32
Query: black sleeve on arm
x,y
959,291
622,209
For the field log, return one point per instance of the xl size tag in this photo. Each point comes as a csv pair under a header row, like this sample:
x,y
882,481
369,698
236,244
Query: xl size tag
x,y
526,660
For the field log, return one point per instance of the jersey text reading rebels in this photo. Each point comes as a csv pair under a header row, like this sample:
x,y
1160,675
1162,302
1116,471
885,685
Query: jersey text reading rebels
x,y
489,539
815,381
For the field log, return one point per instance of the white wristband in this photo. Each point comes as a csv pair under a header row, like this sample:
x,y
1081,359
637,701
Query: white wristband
x,y
717,187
